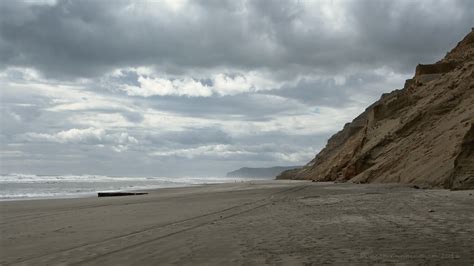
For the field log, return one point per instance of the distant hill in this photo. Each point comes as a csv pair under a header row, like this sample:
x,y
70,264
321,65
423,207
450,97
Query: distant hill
x,y
260,172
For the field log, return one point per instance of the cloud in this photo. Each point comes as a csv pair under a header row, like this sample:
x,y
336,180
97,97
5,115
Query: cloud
x,y
164,87
91,136
218,85
340,90
219,152
189,136
201,87
72,135
89,38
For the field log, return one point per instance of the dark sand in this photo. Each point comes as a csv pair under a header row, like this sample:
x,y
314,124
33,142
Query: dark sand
x,y
287,222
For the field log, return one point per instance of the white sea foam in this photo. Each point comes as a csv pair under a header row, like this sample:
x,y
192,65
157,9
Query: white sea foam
x,y
25,186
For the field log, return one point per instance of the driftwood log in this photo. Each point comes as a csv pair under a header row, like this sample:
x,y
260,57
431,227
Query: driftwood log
x,y
118,194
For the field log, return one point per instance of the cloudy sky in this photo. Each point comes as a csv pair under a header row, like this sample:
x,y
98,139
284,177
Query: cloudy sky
x,y
178,87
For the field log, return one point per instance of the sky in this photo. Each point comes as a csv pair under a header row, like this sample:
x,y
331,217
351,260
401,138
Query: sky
x,y
200,88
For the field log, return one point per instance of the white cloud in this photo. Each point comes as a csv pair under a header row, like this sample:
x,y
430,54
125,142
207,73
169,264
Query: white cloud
x,y
163,87
221,84
226,85
218,150
232,152
175,5
73,135
95,136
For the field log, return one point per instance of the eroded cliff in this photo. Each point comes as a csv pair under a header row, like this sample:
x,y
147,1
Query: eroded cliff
x,y
420,134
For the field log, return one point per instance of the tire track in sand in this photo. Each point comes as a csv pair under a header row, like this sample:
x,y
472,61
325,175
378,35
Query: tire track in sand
x,y
91,251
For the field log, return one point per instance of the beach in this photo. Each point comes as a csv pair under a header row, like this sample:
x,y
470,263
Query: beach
x,y
259,222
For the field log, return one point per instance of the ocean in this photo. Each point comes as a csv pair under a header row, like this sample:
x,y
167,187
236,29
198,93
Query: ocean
x,y
23,186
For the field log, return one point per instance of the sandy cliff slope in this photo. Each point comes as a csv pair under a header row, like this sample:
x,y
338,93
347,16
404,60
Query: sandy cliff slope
x,y
422,134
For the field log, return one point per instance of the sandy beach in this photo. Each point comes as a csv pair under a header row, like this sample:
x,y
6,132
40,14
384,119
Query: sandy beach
x,y
287,222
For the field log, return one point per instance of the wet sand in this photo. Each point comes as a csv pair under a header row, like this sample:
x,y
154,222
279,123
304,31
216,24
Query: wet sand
x,y
274,222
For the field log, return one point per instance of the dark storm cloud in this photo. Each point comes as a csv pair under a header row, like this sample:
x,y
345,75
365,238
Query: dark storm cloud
x,y
88,37
84,38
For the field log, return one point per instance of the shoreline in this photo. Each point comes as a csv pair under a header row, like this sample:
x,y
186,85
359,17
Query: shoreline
x,y
145,189
267,222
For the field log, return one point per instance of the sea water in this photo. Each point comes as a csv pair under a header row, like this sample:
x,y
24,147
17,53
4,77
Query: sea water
x,y
23,186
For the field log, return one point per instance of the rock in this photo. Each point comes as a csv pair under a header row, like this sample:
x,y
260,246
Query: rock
x,y
438,68
421,134
430,210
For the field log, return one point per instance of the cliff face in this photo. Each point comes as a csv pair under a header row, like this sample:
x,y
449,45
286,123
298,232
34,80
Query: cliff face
x,y
421,134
